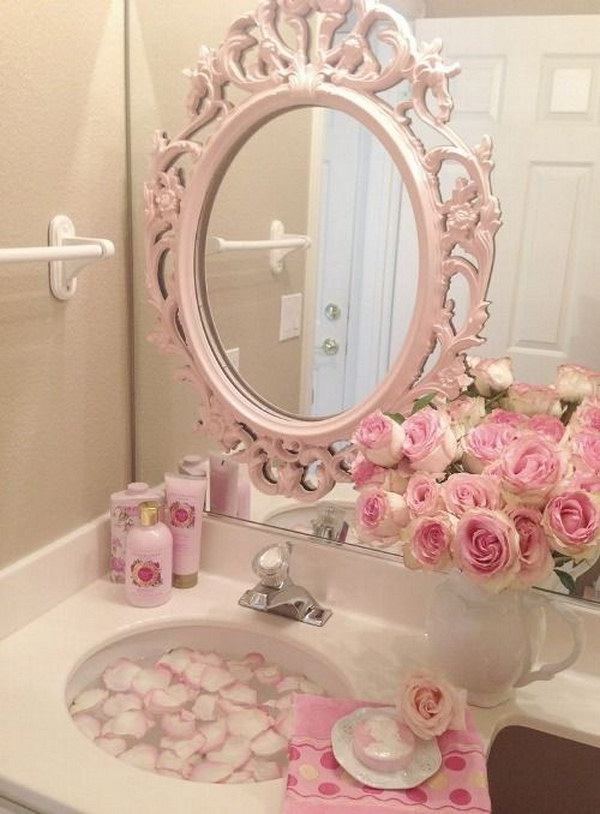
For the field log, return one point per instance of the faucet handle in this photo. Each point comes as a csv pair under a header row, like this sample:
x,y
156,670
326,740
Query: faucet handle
x,y
272,564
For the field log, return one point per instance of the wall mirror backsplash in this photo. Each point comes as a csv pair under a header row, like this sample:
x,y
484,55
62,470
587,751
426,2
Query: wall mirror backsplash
x,y
537,96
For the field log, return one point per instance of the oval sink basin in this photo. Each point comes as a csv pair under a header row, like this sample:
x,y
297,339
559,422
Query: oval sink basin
x,y
206,703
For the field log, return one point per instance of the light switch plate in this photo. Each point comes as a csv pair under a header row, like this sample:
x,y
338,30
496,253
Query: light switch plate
x,y
290,323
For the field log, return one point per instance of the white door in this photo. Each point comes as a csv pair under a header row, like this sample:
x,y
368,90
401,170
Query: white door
x,y
533,84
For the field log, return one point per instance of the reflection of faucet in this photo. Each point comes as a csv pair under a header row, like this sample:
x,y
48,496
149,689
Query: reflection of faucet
x,y
277,593
330,524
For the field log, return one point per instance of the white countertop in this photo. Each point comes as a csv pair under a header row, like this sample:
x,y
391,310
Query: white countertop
x,y
48,765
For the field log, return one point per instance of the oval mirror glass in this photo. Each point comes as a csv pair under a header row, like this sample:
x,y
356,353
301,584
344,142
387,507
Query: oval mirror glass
x,y
313,332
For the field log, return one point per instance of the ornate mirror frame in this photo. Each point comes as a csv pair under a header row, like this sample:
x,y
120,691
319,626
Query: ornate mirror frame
x,y
455,232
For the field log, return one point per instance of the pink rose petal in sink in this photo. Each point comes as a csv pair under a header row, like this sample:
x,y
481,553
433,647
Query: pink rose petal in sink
x,y
248,722
142,755
184,749
205,707
253,660
175,660
235,751
215,734
88,701
133,723
154,678
310,687
169,700
121,702
239,670
178,725
268,744
288,684
170,761
215,678
119,676
263,769
284,723
88,725
239,693
269,675
226,707
208,772
192,674
114,746
214,659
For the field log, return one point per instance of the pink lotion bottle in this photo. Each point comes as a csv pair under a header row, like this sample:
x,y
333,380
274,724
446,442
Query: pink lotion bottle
x,y
124,514
148,559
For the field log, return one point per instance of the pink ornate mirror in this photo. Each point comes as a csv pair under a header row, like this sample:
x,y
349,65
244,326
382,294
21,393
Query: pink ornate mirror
x,y
356,59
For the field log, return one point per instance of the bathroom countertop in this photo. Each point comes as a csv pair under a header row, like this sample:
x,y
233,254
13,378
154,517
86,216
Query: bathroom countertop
x,y
48,765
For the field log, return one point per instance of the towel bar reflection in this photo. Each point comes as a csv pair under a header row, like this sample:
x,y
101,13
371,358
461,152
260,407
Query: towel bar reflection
x,y
66,253
279,244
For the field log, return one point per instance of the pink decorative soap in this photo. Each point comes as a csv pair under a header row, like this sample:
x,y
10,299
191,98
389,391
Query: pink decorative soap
x,y
383,744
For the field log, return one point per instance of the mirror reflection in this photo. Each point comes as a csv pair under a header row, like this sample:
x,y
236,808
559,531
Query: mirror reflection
x,y
329,318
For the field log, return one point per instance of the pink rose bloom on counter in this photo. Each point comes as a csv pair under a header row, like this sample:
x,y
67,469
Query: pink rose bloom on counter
x,y
422,494
548,426
575,382
533,399
587,415
380,439
380,516
572,521
429,443
490,375
429,705
500,416
486,548
535,557
586,451
530,468
465,413
366,473
429,542
484,444
463,491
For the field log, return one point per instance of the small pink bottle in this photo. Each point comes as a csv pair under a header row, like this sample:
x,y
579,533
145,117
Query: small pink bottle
x,y
124,514
148,560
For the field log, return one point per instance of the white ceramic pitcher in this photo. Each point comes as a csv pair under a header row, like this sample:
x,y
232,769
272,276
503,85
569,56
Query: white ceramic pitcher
x,y
489,643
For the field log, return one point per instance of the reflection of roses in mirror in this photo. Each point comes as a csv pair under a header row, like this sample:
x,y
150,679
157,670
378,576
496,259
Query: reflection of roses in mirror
x,y
182,515
146,573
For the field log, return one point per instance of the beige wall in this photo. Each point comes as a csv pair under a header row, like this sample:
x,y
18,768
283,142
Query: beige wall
x,y
64,366
164,39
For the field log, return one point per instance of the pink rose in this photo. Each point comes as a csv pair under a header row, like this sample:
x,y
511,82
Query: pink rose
x,y
572,520
499,416
530,469
536,563
484,444
380,516
548,426
463,491
490,375
587,415
585,447
366,473
585,482
429,705
429,443
575,382
464,413
486,548
429,542
380,439
533,399
422,494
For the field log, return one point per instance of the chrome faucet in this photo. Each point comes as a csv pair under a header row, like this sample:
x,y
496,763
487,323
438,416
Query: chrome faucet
x,y
277,593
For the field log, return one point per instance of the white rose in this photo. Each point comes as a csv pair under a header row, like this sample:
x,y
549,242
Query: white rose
x,y
491,375
574,382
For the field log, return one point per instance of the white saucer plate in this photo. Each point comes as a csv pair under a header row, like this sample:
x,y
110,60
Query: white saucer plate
x,y
425,762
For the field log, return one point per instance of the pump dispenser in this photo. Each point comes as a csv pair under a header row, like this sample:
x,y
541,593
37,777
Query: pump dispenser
x,y
148,559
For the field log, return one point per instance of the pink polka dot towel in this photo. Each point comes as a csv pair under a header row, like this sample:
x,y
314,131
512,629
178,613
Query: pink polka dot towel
x,y
317,784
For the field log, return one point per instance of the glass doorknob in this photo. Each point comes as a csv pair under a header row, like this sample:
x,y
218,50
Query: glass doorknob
x,y
330,347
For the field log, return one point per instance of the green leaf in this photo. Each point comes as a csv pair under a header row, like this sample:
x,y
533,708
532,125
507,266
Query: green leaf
x,y
397,417
424,401
566,579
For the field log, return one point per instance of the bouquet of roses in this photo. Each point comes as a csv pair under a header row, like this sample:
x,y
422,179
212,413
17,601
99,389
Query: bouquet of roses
x,y
502,483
